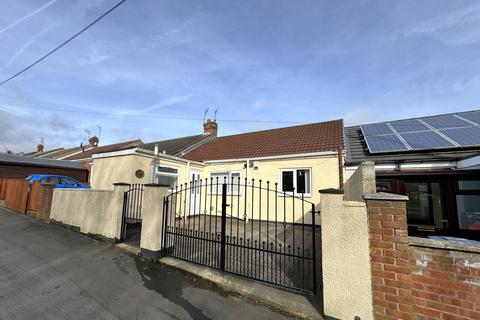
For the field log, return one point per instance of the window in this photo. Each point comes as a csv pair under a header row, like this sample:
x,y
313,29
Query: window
x,y
167,176
468,204
227,176
67,181
424,205
50,180
296,179
384,186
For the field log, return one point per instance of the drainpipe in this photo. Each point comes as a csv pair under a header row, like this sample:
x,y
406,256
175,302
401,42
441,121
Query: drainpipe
x,y
154,164
246,189
188,172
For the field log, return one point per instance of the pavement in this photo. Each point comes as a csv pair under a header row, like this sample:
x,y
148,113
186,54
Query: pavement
x,y
49,272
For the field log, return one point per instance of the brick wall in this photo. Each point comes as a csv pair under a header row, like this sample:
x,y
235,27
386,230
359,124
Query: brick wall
x,y
389,254
417,282
45,201
446,283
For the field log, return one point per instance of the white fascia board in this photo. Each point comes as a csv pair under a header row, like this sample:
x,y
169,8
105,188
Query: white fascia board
x,y
167,156
287,156
385,167
411,165
429,165
114,153
72,154
469,162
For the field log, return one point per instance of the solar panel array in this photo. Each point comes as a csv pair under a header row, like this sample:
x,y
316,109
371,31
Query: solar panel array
x,y
445,131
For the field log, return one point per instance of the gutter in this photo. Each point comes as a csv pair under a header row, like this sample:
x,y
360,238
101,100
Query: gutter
x,y
286,156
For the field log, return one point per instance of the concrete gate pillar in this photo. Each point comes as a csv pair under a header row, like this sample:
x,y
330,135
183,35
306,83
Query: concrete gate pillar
x,y
152,220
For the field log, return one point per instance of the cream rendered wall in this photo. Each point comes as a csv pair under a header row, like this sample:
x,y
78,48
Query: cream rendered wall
x,y
107,171
93,211
347,283
324,174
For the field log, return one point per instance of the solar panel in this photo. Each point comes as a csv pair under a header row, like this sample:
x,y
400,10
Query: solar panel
x,y
385,143
426,140
472,116
408,126
464,136
375,129
446,121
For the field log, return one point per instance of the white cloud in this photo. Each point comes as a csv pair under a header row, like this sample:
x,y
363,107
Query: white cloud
x,y
31,14
457,27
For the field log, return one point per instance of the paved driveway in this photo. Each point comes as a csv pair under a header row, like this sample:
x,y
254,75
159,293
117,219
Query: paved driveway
x,y
48,272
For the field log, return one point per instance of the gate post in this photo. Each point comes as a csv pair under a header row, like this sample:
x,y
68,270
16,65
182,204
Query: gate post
x,y
224,221
165,223
151,239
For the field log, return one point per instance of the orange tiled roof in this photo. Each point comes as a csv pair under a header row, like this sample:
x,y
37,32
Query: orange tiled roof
x,y
315,137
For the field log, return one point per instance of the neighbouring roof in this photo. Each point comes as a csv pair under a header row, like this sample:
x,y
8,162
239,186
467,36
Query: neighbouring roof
x,y
176,146
108,148
61,153
22,160
357,151
38,153
315,137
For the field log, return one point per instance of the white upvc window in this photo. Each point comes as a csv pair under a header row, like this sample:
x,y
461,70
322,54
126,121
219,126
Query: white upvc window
x,y
226,176
298,180
167,175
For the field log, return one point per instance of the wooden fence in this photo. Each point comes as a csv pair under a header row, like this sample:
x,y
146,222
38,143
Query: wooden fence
x,y
23,198
16,195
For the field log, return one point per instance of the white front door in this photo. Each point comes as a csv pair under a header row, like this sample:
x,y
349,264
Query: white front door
x,y
195,193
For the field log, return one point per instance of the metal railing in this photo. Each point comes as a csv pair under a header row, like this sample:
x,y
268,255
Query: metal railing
x,y
246,228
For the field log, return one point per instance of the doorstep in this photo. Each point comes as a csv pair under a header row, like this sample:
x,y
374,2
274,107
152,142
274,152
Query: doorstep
x,y
299,305
128,248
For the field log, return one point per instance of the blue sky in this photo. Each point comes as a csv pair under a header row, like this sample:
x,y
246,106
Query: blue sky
x,y
291,61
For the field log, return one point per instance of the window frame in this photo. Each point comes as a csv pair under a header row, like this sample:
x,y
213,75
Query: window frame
x,y
463,192
229,192
297,194
167,174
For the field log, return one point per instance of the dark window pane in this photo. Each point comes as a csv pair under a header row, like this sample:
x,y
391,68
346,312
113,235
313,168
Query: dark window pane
x,y
287,181
303,181
469,184
167,180
167,170
468,207
384,185
424,204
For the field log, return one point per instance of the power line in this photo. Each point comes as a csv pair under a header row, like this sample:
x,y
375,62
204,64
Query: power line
x,y
139,115
62,44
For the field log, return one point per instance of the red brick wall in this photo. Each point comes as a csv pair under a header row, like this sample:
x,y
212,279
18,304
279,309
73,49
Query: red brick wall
x,y
389,253
412,282
446,284
45,201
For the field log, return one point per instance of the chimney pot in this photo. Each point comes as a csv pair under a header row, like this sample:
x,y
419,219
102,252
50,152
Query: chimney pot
x,y
39,147
210,127
93,141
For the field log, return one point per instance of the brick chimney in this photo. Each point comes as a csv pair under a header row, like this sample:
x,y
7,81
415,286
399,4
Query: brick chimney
x,y
93,141
39,147
210,127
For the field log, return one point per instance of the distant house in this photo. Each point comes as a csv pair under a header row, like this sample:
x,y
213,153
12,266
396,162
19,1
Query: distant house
x,y
137,164
303,158
435,161
20,167
82,153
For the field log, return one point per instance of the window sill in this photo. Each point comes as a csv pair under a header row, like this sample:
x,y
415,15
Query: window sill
x,y
297,195
444,244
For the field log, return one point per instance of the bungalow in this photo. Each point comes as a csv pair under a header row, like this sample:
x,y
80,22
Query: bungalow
x,y
433,160
300,159
82,153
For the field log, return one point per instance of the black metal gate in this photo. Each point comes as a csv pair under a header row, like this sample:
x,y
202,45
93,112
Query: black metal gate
x,y
249,229
132,215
